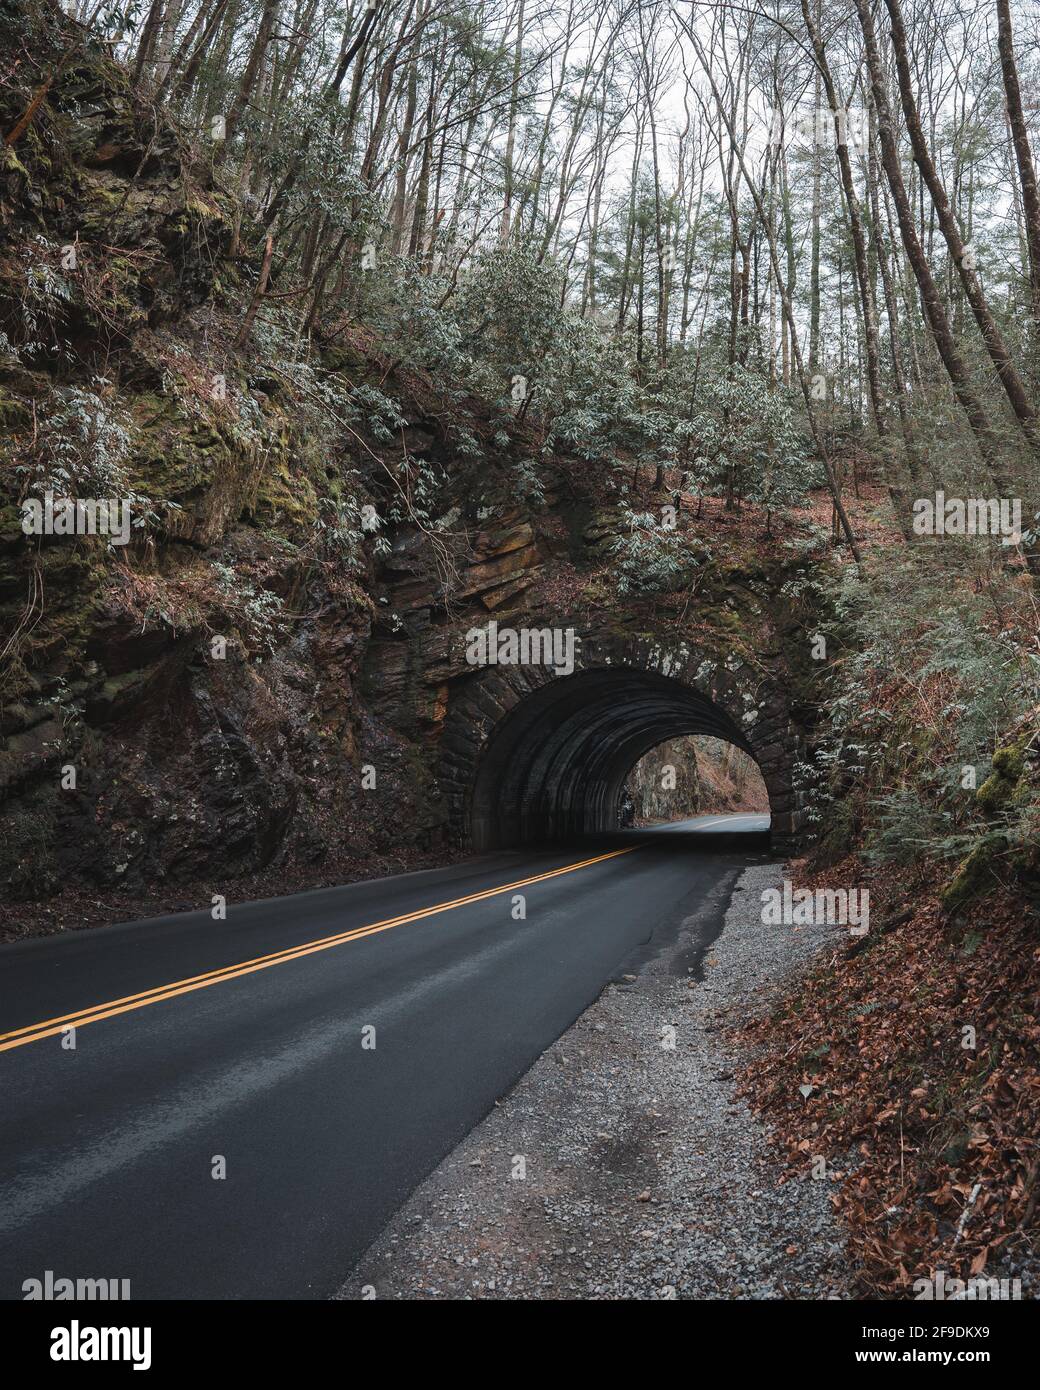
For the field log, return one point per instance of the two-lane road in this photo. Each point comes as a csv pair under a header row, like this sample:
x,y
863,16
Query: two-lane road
x,y
223,1126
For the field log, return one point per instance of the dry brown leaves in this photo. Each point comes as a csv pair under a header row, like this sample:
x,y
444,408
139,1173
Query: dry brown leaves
x,y
911,1119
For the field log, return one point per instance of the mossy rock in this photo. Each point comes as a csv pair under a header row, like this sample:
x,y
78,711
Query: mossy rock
x,y
1005,787
176,457
284,500
975,876
345,360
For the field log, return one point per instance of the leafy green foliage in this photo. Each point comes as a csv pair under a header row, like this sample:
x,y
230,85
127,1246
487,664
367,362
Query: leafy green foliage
x,y
918,707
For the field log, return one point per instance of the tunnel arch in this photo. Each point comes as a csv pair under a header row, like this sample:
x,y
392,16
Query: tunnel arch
x,y
530,755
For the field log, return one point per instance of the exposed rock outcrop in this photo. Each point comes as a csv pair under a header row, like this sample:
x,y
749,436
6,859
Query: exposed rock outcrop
x,y
694,776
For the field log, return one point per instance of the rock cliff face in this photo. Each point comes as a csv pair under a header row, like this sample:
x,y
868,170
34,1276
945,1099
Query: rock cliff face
x,y
695,776
260,687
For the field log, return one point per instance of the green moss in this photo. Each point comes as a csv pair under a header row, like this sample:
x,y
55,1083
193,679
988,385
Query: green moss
x,y
1003,788
196,206
346,360
284,499
174,457
975,876
12,164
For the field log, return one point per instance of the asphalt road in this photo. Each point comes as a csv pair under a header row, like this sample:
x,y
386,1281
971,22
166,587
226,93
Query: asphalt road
x,y
244,1041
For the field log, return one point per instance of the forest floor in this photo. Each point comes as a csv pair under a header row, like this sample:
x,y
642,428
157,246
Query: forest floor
x,y
917,1050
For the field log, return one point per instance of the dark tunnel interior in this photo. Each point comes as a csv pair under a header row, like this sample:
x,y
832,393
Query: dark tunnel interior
x,y
555,765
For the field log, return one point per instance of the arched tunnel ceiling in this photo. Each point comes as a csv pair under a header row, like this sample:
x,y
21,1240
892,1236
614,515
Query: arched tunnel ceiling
x,y
555,765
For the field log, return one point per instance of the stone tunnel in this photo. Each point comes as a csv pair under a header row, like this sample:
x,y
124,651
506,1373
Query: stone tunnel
x,y
520,753
530,755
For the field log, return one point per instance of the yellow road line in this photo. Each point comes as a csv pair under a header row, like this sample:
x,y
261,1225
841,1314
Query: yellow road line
x,y
48,1028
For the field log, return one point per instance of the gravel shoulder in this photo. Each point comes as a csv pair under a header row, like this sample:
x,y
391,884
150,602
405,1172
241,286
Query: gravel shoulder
x,y
621,1166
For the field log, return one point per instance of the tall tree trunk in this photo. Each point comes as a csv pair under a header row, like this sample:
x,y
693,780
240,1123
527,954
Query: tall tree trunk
x,y
899,386
988,443
934,312
422,192
785,299
1026,171
186,81
863,280
254,67
514,105
346,58
1014,388
814,240
404,141
147,41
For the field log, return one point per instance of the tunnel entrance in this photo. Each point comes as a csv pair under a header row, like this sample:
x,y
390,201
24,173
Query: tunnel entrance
x,y
555,765
528,755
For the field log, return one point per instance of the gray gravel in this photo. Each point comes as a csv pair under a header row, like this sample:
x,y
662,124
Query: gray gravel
x,y
621,1167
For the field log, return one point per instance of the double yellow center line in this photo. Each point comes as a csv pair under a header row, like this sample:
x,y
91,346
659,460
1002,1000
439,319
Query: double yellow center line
x,y
35,1032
